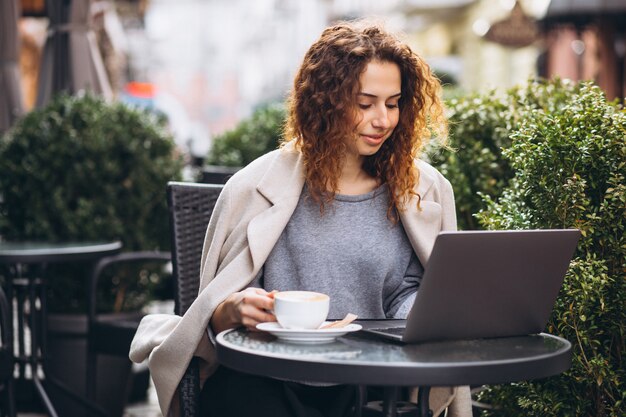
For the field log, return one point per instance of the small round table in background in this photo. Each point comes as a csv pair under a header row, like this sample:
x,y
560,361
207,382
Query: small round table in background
x,y
27,286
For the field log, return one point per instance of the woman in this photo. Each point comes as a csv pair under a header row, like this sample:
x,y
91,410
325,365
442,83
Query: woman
x,y
344,207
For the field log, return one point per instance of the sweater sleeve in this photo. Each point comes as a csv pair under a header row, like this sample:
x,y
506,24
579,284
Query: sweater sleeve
x,y
401,300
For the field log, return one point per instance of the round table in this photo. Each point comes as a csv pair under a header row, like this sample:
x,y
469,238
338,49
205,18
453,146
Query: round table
x,y
43,252
28,289
363,359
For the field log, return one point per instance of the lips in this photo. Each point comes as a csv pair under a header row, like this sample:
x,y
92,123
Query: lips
x,y
373,139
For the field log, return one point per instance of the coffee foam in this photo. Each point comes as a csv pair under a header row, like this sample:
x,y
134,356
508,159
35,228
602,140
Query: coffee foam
x,y
301,296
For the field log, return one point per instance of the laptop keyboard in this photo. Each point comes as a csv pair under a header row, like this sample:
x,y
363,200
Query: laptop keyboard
x,y
399,331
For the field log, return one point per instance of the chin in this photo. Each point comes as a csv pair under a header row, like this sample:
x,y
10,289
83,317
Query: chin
x,y
370,152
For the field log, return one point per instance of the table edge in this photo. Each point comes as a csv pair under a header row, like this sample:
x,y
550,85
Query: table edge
x,y
65,252
398,374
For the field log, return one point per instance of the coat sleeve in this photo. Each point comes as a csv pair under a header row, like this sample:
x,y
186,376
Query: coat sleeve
x,y
216,234
152,330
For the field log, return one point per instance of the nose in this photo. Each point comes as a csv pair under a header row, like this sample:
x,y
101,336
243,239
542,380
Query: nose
x,y
381,118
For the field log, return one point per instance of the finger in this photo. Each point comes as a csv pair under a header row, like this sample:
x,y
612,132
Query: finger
x,y
259,291
251,313
262,302
250,324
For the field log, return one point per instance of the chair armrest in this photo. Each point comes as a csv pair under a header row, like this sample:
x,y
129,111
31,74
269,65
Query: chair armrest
x,y
107,261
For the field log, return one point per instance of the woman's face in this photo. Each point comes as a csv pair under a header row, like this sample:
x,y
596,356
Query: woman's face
x,y
377,107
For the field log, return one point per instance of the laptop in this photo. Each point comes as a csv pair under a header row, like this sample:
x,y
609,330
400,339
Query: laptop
x,y
484,284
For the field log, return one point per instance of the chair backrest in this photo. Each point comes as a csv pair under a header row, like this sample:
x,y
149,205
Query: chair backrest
x,y
190,207
7,391
6,328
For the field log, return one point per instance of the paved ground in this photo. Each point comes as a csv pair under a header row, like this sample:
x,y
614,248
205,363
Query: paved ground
x,y
149,408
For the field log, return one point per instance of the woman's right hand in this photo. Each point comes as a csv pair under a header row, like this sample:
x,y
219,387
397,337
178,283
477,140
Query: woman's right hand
x,y
244,308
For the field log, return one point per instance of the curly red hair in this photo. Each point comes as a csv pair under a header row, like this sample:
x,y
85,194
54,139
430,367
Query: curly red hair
x,y
323,104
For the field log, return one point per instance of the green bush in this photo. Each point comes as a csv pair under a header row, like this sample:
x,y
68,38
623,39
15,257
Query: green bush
x,y
478,131
79,170
480,127
250,139
570,168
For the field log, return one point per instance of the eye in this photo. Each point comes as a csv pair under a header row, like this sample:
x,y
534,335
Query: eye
x,y
392,105
364,106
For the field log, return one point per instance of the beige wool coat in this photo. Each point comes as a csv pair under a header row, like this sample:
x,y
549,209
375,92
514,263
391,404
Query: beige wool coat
x,y
249,217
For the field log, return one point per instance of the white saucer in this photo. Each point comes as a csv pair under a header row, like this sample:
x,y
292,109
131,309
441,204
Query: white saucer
x,y
312,336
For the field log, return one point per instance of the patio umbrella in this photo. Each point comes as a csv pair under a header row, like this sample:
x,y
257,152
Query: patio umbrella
x,y
71,60
582,12
11,103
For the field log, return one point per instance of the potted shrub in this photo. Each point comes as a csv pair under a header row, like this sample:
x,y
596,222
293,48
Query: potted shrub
x,y
569,164
83,169
480,127
238,147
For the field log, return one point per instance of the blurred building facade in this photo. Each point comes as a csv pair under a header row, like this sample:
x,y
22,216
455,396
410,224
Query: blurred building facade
x,y
210,63
454,40
587,41
214,61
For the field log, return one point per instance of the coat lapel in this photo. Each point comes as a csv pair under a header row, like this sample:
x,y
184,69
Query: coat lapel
x,y
422,225
281,186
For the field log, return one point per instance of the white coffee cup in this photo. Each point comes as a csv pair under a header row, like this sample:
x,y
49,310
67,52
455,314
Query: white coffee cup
x,y
301,309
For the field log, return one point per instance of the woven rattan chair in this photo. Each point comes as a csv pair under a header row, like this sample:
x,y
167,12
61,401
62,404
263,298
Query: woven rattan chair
x,y
7,392
111,334
190,207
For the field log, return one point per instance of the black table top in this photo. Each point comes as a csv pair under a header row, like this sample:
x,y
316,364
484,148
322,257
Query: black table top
x,y
360,358
36,252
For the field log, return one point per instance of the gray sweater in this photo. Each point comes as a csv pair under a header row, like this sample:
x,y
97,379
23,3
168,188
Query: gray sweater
x,y
351,252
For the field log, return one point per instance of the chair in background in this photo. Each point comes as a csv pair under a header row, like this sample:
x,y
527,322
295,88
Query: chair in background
x,y
190,207
215,174
111,334
7,390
